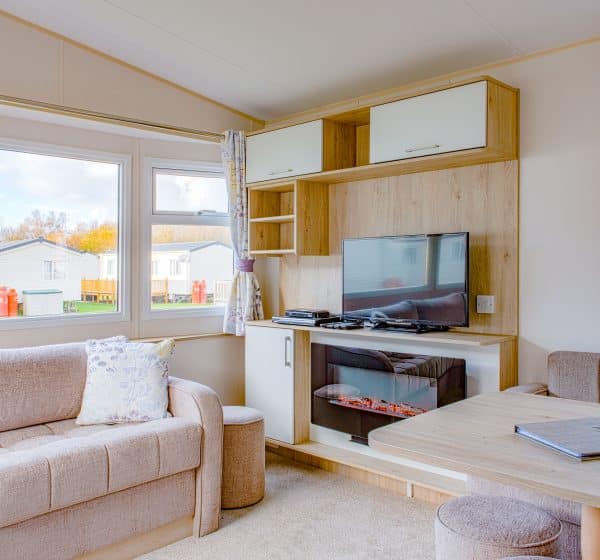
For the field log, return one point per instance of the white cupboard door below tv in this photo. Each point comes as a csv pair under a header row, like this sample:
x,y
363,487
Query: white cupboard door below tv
x,y
434,123
270,379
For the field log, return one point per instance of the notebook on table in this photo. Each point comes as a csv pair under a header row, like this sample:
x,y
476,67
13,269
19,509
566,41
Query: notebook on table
x,y
579,438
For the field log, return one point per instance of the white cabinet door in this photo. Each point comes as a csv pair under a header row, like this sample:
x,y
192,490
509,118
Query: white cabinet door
x,y
295,150
443,121
270,379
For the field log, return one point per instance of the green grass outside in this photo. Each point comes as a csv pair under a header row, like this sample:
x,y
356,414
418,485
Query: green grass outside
x,y
92,307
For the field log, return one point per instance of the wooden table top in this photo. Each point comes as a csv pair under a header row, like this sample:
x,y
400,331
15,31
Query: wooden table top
x,y
477,436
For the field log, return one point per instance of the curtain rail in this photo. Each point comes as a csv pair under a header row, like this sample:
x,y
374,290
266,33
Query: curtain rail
x,y
110,119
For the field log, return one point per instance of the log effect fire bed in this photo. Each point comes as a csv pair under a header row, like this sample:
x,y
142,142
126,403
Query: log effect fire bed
x,y
356,390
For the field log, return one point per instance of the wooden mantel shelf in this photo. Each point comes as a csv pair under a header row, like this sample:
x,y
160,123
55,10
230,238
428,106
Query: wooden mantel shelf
x,y
448,337
474,156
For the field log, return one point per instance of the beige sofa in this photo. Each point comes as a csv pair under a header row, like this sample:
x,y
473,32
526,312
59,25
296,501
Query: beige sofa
x,y
66,490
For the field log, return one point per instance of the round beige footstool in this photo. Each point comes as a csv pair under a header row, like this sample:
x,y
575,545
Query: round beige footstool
x,y
528,558
494,527
243,481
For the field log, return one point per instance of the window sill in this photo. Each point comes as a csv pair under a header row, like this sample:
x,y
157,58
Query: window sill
x,y
217,311
49,321
183,338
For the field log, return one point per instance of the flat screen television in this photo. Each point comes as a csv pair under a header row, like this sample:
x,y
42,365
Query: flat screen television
x,y
407,280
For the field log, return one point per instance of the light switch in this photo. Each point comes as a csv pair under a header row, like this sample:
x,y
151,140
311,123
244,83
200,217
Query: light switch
x,y
486,304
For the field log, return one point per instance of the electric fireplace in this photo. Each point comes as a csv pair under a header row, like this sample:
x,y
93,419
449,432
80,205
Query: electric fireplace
x,y
356,390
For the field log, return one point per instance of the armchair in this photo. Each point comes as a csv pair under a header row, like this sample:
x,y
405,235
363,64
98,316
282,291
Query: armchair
x,y
571,375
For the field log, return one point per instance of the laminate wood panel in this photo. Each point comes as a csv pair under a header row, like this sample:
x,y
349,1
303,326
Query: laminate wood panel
x,y
362,144
312,218
339,145
482,200
302,393
509,364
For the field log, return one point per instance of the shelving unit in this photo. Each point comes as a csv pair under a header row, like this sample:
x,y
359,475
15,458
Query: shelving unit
x,y
290,215
289,218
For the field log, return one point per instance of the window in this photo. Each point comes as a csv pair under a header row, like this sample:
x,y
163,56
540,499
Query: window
x,y
191,254
189,192
174,267
54,270
59,222
48,270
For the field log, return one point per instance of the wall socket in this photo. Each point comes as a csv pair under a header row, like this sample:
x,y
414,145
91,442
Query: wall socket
x,y
486,304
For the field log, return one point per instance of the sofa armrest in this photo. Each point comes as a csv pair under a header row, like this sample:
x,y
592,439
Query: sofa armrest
x,y
198,402
532,388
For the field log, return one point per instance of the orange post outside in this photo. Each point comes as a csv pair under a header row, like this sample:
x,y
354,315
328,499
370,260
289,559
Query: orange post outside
x,y
202,294
13,303
196,292
3,301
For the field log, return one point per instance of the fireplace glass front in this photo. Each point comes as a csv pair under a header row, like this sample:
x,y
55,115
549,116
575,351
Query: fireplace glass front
x,y
356,390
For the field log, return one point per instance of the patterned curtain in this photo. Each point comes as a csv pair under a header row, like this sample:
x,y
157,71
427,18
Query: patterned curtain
x,y
245,301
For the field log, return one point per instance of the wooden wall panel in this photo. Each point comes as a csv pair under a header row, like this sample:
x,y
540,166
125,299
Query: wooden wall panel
x,y
482,200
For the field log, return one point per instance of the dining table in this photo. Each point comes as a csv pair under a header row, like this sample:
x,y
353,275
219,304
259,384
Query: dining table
x,y
477,436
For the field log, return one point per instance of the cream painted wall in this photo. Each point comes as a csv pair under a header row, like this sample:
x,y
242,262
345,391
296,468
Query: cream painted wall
x,y
560,198
41,67
559,202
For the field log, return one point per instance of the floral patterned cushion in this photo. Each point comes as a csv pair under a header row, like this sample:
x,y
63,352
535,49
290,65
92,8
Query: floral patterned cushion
x,y
126,381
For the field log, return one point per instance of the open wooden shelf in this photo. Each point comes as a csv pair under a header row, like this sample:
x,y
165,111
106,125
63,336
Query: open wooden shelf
x,y
436,162
274,252
274,219
289,218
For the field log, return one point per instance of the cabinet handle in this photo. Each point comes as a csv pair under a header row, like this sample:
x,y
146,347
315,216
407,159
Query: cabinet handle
x,y
288,348
421,148
281,171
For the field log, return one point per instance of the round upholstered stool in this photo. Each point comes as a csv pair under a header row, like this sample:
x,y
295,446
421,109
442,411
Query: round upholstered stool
x,y
528,558
243,457
494,527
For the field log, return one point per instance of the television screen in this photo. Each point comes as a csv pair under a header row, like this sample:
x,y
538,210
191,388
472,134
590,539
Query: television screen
x,y
419,279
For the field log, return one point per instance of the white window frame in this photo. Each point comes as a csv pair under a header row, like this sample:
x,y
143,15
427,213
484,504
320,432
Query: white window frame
x,y
151,217
124,243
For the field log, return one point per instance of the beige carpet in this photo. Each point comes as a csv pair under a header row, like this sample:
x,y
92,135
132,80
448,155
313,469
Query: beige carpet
x,y
311,514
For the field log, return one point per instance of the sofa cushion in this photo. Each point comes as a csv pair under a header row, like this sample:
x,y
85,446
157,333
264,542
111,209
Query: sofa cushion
x,y
48,467
41,384
24,486
126,381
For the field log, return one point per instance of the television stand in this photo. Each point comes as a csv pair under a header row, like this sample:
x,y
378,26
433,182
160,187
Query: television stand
x,y
415,328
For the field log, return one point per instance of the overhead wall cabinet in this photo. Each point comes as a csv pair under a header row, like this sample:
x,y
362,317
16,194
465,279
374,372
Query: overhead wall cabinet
x,y
302,149
440,122
469,123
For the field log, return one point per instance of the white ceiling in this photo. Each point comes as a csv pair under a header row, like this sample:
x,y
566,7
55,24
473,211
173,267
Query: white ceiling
x,y
273,57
